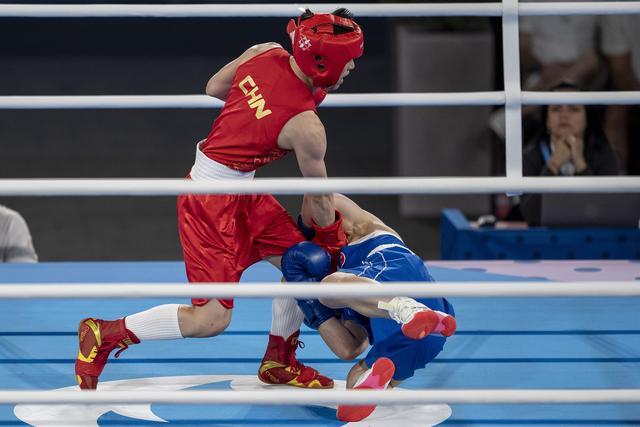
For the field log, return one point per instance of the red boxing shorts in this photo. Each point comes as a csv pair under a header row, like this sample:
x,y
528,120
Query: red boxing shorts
x,y
222,235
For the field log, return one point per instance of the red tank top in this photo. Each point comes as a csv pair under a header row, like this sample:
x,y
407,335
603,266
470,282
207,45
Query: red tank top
x,y
264,96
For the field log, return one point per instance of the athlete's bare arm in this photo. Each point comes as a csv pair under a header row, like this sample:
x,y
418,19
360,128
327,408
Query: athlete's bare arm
x,y
356,222
219,84
305,135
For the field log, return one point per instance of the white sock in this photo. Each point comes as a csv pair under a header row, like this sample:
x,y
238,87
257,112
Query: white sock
x,y
286,317
157,323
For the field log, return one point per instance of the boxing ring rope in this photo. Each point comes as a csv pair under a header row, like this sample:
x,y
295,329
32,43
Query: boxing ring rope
x,y
408,99
325,290
292,186
325,397
287,10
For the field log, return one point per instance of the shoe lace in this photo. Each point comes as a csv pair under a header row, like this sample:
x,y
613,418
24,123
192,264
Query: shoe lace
x,y
294,363
123,344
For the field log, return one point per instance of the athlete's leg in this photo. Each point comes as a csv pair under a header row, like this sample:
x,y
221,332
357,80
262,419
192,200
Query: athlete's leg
x,y
273,232
347,340
201,321
206,256
417,319
366,306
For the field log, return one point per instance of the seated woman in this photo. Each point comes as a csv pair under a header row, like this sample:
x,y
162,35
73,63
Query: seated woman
x,y
572,143
406,334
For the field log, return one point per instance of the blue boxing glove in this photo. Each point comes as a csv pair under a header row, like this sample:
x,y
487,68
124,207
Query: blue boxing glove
x,y
305,262
315,313
308,262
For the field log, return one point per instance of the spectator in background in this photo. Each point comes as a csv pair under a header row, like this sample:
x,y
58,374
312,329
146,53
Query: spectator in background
x,y
621,47
559,48
554,49
15,239
572,142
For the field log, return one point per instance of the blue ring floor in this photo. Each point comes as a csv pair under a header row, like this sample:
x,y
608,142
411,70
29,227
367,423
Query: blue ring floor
x,y
515,343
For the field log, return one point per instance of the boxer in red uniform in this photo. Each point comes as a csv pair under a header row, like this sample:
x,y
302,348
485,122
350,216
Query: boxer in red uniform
x,y
270,110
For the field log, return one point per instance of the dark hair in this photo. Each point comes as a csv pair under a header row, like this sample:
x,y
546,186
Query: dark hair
x,y
593,134
342,12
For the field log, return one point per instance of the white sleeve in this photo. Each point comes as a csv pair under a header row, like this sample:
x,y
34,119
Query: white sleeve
x,y
19,246
614,40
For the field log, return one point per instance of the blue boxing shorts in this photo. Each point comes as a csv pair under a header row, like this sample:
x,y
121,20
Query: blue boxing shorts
x,y
384,257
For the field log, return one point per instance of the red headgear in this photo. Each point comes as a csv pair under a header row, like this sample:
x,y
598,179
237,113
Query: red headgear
x,y
319,52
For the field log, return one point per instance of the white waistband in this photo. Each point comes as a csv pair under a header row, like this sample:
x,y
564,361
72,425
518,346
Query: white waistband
x,y
206,169
387,246
372,235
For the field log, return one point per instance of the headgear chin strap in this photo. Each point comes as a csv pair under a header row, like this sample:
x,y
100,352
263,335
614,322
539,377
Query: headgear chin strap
x,y
319,52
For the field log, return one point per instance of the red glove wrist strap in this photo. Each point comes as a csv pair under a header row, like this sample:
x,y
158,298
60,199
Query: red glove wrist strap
x,y
332,234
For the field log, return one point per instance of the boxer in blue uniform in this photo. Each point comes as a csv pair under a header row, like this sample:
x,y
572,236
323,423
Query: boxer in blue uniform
x,y
405,333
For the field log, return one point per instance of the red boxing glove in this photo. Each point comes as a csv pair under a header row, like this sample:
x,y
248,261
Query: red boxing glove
x,y
332,238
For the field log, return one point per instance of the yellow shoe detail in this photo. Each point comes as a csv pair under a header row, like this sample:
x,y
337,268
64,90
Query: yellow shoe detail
x,y
79,379
90,358
96,330
314,384
270,365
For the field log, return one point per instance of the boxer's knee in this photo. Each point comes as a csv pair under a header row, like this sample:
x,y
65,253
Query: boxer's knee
x,y
204,321
347,352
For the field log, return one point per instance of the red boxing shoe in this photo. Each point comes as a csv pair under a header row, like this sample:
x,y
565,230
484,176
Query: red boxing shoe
x,y
426,322
417,319
280,366
446,324
376,378
96,339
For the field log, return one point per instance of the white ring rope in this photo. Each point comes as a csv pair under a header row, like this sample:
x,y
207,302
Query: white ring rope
x,y
333,100
324,290
289,10
292,186
324,397
513,101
